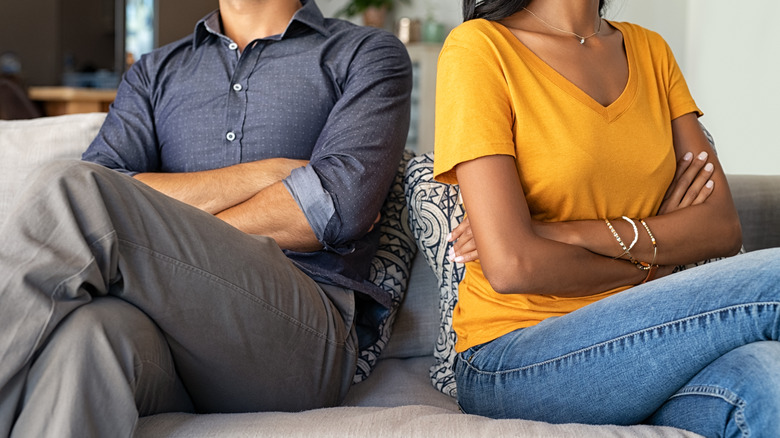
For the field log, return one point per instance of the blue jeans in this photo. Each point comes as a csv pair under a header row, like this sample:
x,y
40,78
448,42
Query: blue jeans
x,y
696,350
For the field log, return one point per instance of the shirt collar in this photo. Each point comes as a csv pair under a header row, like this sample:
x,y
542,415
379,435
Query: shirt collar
x,y
309,15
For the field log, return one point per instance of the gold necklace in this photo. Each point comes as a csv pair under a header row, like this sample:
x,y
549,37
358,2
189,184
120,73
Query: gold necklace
x,y
578,36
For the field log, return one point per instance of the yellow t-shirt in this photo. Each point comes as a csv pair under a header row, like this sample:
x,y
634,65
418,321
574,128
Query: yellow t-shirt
x,y
576,158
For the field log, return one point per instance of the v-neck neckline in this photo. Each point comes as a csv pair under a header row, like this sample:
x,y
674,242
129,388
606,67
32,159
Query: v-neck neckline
x,y
609,112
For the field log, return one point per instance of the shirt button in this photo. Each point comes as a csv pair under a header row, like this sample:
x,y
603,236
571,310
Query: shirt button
x,y
233,46
237,87
230,136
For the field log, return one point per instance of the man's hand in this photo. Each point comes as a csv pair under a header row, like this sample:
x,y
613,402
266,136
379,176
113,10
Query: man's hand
x,y
376,221
692,183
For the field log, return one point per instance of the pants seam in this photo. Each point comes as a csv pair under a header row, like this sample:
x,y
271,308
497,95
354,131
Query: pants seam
x,y
724,394
623,337
56,291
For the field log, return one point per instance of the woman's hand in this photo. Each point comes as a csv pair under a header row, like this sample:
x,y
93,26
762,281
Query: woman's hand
x,y
463,249
692,183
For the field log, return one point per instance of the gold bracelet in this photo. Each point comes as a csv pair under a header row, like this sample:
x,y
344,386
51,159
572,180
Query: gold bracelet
x,y
651,267
636,233
650,274
652,239
619,241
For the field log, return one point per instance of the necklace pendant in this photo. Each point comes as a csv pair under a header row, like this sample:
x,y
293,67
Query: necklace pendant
x,y
582,40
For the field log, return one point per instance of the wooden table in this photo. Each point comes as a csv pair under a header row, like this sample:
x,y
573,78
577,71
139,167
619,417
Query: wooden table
x,y
69,100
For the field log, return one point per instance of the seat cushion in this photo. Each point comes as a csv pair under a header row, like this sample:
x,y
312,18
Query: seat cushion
x,y
417,324
413,421
27,144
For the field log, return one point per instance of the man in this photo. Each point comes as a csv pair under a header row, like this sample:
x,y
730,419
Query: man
x,y
228,274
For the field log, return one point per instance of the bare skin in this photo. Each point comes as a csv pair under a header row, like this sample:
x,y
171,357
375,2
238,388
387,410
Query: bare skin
x,y
697,220
691,186
249,196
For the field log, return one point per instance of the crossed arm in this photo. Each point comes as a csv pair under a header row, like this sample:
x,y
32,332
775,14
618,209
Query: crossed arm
x,y
236,195
697,220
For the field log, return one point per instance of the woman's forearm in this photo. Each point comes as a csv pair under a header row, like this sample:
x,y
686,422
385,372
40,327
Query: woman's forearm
x,y
697,219
512,256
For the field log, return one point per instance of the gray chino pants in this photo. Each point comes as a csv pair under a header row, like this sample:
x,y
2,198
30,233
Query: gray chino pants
x,y
89,258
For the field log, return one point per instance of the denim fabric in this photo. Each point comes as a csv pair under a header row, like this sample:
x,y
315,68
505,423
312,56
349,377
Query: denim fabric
x,y
687,346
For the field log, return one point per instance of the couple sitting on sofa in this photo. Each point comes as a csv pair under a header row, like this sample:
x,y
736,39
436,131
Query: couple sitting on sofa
x,y
226,270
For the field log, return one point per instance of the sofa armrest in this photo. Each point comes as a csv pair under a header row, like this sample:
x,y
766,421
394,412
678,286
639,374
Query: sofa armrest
x,y
757,198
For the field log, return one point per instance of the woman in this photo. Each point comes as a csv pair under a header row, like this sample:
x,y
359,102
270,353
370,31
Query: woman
x,y
586,178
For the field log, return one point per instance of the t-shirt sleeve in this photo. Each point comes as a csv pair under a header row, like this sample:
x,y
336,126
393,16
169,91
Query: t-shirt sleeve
x,y
474,117
680,100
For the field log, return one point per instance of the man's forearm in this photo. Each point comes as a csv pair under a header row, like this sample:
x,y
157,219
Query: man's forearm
x,y
217,190
274,213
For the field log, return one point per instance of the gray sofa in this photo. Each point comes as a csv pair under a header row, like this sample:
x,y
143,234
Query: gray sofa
x,y
397,399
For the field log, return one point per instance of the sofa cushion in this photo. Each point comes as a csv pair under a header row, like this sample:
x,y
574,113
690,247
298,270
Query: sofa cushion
x,y
26,144
399,382
417,324
391,265
757,198
413,421
434,209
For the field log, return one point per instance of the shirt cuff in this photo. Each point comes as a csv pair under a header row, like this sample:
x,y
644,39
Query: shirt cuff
x,y
317,205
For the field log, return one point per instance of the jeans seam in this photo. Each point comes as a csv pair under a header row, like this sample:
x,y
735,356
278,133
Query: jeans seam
x,y
236,288
724,394
623,337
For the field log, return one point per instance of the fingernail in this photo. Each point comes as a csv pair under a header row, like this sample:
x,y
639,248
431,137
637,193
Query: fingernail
x,y
709,167
459,259
449,237
451,252
709,184
703,155
688,156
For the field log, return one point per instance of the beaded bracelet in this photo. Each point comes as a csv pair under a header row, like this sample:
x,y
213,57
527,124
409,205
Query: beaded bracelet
x,y
636,233
652,240
652,267
626,250
619,241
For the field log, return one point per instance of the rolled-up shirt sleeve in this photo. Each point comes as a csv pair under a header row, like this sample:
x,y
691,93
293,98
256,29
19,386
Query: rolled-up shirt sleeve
x,y
347,179
315,202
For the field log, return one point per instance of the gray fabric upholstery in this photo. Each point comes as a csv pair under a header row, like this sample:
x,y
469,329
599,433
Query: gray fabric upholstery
x,y
26,144
757,198
414,332
401,382
411,421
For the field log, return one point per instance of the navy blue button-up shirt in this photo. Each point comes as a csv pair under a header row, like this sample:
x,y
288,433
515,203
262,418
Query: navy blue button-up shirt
x,y
325,90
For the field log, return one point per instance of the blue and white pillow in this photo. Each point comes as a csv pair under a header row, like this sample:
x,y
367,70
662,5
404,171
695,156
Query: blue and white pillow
x,y
391,265
434,209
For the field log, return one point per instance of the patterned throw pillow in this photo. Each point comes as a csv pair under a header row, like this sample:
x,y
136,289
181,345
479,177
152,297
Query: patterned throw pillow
x,y
391,265
433,211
